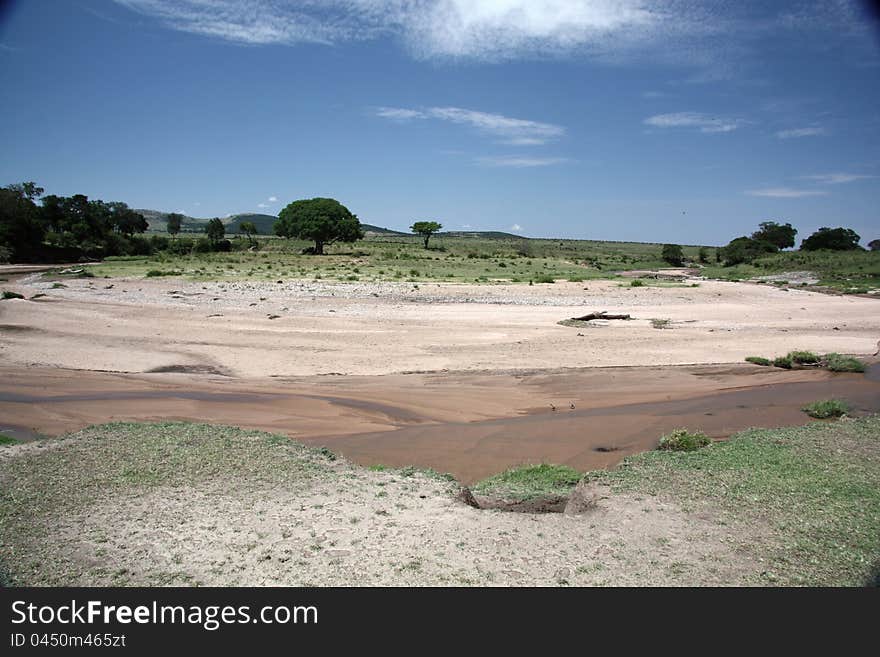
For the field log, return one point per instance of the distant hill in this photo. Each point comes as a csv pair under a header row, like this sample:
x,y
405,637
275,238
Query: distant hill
x,y
264,222
485,234
369,229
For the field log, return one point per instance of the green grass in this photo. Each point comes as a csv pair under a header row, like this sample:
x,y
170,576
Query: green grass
x,y
838,363
400,257
826,408
530,482
804,500
852,272
759,360
682,440
637,283
803,357
11,295
785,362
7,440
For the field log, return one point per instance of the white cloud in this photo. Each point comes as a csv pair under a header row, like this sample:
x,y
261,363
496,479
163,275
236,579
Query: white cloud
x,y
476,29
519,132
837,178
273,199
466,226
516,228
520,162
796,133
262,205
784,192
703,122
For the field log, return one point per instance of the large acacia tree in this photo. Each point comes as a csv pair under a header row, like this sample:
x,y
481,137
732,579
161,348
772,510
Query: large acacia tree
x,y
324,220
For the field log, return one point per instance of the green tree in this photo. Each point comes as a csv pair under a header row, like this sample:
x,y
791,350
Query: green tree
x,y
779,235
22,228
673,254
425,229
175,221
833,239
125,220
703,255
874,245
324,220
745,250
249,229
215,230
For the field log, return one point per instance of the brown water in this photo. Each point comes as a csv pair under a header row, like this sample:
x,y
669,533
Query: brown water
x,y
472,425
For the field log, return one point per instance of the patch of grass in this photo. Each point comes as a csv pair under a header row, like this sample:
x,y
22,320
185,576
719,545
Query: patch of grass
x,y
784,362
637,283
838,363
544,278
803,503
759,360
660,323
153,273
826,408
7,440
12,295
682,440
56,286
803,357
530,482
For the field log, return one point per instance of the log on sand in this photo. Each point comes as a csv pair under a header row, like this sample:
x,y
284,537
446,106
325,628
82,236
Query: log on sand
x,y
599,315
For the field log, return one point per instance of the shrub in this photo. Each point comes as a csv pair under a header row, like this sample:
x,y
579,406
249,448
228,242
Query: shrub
x,y
682,440
826,408
784,362
803,357
838,363
637,283
158,272
12,295
544,278
759,360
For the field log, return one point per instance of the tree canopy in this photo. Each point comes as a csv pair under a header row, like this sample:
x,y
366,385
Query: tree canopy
x,y
215,230
175,220
833,239
874,245
779,235
425,229
324,220
745,250
673,254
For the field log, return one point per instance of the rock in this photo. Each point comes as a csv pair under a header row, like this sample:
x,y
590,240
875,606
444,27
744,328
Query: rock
x,y
584,498
465,495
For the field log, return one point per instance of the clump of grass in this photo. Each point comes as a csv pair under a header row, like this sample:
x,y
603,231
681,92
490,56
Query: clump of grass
x,y
803,357
544,278
759,360
826,408
637,283
12,295
159,272
56,286
660,323
530,482
682,440
7,440
784,362
838,363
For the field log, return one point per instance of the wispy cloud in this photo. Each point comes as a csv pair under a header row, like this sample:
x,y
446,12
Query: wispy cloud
x,y
796,133
262,205
516,228
702,122
784,192
520,162
457,29
273,199
837,178
518,132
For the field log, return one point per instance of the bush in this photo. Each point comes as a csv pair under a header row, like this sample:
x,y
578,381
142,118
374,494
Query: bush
x,y
827,408
544,278
11,295
759,360
682,440
153,273
803,357
637,283
839,363
784,362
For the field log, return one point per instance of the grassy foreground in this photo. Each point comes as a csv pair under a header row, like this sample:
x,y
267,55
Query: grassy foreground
x,y
802,502
805,500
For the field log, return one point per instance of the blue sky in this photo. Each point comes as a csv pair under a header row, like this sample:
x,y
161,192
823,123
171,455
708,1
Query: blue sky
x,y
634,120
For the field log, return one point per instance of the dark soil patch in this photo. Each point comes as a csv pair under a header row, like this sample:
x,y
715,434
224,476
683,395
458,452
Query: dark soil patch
x,y
187,369
548,504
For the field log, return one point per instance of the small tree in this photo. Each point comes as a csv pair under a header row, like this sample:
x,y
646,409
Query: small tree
x,y
874,245
324,220
249,229
745,250
779,235
704,255
425,229
215,230
175,221
673,254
